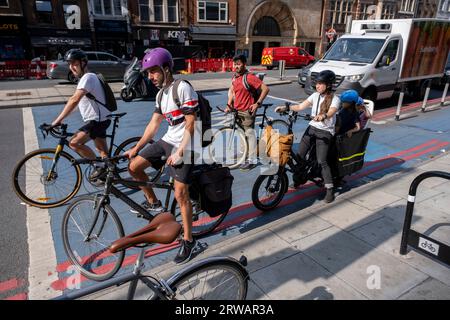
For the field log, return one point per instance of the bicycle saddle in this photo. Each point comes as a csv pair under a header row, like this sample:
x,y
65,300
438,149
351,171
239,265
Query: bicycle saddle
x,y
162,229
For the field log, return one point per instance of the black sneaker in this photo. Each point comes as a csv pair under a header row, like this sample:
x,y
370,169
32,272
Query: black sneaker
x,y
185,252
98,173
329,197
154,208
248,166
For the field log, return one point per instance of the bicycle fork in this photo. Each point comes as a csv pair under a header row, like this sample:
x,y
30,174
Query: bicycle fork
x,y
55,159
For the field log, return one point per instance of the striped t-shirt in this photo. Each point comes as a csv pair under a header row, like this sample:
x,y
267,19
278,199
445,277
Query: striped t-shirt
x,y
174,115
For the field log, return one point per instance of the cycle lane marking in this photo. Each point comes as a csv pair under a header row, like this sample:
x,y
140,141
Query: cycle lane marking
x,y
294,195
41,247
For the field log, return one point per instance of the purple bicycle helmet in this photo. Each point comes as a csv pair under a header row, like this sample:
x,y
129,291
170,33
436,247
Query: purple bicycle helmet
x,y
157,57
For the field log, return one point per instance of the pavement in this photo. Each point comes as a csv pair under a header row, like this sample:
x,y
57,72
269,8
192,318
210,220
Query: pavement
x,y
59,93
345,250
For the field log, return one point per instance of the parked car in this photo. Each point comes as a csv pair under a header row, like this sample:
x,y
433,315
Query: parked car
x,y
110,66
303,74
294,56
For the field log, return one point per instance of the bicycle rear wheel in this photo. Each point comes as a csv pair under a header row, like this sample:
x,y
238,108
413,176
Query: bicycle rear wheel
x,y
228,147
41,183
89,252
122,167
202,223
268,191
211,279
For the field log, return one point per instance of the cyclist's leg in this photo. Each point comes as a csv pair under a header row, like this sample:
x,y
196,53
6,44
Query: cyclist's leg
x,y
151,155
137,168
183,200
323,140
77,144
305,144
98,133
249,127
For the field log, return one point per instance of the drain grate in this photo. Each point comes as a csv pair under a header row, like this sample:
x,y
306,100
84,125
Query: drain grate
x,y
16,94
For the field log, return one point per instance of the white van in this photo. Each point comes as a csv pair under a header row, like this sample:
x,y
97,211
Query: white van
x,y
378,56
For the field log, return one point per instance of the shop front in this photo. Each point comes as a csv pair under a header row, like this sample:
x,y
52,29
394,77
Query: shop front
x,y
14,43
112,36
215,42
49,44
175,39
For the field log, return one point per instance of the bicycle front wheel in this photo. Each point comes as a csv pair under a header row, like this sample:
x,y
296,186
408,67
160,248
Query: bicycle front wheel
x,y
228,147
89,251
211,279
268,191
44,181
122,167
202,223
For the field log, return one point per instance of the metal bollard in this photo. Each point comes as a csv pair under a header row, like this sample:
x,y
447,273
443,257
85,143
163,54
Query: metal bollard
x,y
427,93
400,102
446,88
281,67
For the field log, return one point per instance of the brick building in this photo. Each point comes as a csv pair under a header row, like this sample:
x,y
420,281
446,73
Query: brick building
x,y
263,23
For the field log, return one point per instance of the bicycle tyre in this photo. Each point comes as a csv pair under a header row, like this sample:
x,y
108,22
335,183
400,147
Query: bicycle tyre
x,y
281,125
101,259
42,201
199,229
279,192
152,173
180,283
241,156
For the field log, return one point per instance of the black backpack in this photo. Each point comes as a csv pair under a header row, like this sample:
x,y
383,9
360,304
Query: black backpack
x,y
110,100
212,184
204,112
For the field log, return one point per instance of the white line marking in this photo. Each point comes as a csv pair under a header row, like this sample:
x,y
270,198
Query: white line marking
x,y
291,101
42,268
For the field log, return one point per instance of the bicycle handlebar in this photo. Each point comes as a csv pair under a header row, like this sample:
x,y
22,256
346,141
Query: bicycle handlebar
x,y
47,129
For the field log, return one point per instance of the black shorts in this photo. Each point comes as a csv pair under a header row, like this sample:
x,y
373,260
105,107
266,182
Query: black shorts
x,y
153,153
96,129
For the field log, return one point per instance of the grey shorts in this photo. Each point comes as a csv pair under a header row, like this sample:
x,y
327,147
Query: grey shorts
x,y
153,153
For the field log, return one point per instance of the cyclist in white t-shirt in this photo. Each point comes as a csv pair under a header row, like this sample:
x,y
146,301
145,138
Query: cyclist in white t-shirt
x,y
175,145
94,114
324,106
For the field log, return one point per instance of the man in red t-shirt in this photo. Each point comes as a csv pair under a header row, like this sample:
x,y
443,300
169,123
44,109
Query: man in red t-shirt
x,y
247,102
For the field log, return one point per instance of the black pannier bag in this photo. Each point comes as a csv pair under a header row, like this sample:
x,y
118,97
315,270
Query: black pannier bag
x,y
213,183
351,151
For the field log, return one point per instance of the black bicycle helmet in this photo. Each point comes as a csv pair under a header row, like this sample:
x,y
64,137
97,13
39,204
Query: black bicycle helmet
x,y
326,76
75,54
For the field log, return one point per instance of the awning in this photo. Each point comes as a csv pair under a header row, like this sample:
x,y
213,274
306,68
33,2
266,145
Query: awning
x,y
214,37
45,41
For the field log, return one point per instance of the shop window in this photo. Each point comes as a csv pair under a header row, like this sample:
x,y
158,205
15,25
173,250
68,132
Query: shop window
x,y
4,4
212,11
144,10
44,12
267,26
107,7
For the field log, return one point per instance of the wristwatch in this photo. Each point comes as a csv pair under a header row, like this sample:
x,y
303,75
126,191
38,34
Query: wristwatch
x,y
258,103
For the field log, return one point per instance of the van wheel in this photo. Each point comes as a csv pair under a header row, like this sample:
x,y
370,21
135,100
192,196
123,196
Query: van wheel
x,y
420,89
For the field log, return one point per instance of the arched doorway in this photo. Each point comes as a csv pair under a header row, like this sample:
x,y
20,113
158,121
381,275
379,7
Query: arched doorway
x,y
265,27
270,24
